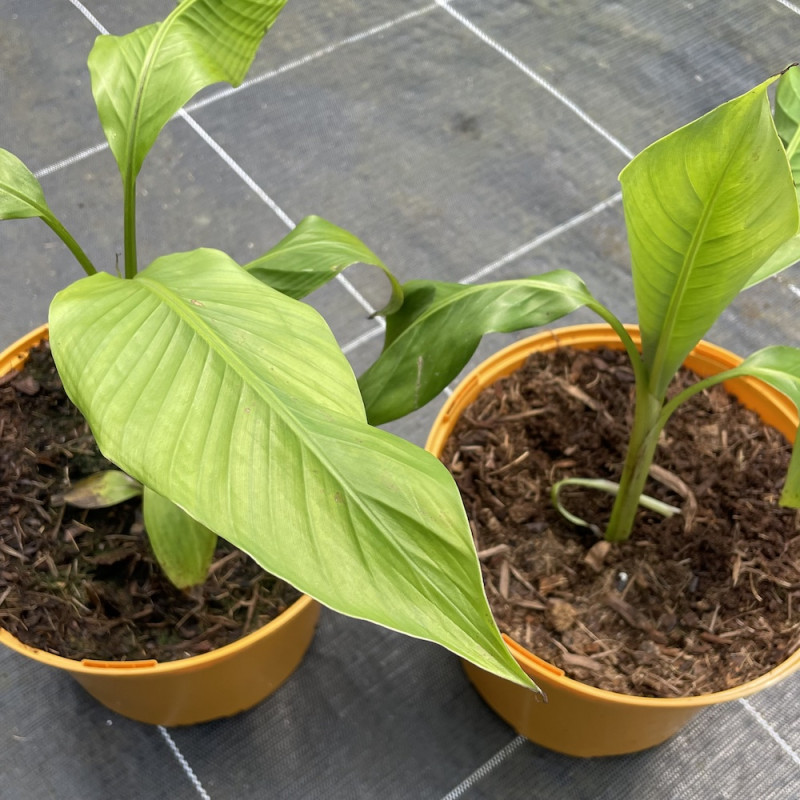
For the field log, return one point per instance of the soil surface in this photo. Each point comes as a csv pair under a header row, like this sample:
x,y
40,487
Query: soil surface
x,y
85,584
693,604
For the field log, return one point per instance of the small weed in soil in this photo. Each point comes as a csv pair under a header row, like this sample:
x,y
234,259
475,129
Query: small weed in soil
x,y
693,604
85,584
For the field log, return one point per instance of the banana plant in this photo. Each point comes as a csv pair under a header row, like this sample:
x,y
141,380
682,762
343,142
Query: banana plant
x,y
225,398
710,210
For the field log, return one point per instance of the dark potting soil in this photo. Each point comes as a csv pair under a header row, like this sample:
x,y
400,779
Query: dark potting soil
x,y
693,604
85,584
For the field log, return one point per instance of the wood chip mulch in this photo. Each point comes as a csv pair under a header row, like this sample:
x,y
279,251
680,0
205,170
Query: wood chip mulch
x,y
697,603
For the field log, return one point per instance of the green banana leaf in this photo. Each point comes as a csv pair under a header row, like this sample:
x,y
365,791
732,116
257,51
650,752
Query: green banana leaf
x,y
312,254
103,489
21,195
704,208
787,122
184,548
787,255
787,118
235,402
779,367
141,79
430,340
791,491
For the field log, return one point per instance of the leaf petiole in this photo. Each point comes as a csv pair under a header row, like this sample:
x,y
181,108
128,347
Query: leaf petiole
x,y
55,225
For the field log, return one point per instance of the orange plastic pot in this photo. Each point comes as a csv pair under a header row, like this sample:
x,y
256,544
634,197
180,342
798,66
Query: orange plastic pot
x,y
197,689
577,719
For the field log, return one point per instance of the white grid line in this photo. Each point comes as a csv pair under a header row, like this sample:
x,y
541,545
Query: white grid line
x,y
543,238
89,16
560,96
262,195
790,6
265,198
486,768
512,255
181,759
772,732
237,169
363,338
70,160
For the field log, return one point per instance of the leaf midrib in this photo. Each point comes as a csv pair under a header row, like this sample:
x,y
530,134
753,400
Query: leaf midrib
x,y
685,275
144,79
234,362
202,328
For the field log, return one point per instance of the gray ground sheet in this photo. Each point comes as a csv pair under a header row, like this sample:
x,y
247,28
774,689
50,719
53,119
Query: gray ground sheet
x,y
462,140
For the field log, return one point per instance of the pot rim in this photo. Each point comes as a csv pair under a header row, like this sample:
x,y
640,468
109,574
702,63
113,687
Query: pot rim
x,y
781,414
88,666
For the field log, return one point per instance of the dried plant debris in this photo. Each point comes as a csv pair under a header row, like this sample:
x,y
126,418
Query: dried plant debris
x,y
85,584
689,605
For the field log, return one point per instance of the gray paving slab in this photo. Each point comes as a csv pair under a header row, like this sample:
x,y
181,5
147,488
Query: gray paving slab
x,y
475,138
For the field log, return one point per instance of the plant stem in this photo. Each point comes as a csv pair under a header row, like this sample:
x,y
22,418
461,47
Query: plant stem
x,y
647,425
129,200
55,225
696,388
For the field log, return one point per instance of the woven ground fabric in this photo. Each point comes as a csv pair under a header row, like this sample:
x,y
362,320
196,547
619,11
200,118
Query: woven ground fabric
x,y
469,140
